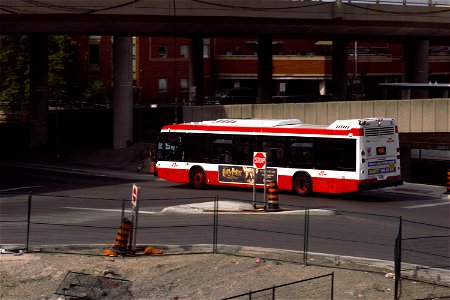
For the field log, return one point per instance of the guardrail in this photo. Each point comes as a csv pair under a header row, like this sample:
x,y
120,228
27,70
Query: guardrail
x,y
398,2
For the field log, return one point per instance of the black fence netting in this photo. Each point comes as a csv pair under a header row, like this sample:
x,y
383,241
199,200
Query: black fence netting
x,y
257,232
13,218
370,235
57,221
425,252
71,224
180,227
330,238
320,287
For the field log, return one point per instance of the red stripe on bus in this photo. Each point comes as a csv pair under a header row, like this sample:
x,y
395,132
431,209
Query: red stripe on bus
x,y
280,130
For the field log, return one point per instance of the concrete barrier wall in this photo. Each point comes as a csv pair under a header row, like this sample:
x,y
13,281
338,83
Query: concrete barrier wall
x,y
421,115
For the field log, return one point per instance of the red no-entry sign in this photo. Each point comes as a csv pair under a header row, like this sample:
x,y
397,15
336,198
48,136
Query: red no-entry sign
x,y
259,160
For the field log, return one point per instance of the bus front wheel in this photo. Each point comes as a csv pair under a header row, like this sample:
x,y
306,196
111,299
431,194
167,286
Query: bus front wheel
x,y
302,184
198,178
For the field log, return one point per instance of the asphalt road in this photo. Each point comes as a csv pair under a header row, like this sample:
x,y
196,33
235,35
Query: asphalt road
x,y
78,206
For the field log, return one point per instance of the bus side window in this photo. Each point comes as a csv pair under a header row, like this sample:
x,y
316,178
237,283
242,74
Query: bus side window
x,y
243,150
301,153
173,149
196,148
336,154
274,148
160,148
221,151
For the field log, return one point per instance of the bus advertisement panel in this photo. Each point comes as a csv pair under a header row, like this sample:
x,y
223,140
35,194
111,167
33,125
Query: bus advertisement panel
x,y
245,174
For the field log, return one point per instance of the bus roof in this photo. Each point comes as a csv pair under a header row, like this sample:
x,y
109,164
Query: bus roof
x,y
253,122
350,127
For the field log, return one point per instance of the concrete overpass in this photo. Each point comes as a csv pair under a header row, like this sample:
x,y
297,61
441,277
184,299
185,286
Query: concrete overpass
x,y
417,24
277,18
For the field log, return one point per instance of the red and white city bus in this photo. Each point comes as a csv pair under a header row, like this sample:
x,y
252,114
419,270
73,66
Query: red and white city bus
x,y
346,156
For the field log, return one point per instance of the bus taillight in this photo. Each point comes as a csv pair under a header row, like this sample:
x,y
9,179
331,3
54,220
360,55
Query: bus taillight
x,y
381,150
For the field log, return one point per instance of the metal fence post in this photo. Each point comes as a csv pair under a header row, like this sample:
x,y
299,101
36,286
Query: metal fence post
x,y
122,217
306,237
448,182
332,286
398,261
28,221
216,225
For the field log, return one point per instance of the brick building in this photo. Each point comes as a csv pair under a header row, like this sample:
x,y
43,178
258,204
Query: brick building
x,y
301,68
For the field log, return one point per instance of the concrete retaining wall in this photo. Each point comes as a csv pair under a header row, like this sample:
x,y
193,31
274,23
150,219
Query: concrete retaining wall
x,y
421,115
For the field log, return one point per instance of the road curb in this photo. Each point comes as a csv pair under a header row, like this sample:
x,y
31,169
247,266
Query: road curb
x,y
237,207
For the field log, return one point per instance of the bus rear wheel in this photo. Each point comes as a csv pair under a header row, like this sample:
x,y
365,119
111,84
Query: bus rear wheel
x,y
198,178
302,184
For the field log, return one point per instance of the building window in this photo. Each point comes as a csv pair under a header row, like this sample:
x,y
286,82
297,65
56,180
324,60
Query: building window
x,y
150,54
162,51
184,51
162,85
94,54
205,48
184,84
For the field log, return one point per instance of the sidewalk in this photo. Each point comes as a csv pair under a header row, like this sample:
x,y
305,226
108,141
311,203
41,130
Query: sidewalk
x,y
434,191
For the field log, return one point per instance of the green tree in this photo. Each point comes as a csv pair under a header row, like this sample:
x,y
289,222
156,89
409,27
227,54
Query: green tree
x,y
64,78
14,70
94,87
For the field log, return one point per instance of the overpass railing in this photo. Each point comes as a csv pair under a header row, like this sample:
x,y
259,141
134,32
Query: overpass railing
x,y
398,2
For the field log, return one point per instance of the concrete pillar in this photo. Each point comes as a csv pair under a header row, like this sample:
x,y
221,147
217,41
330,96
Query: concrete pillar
x,y
38,90
265,67
339,69
415,66
123,92
196,70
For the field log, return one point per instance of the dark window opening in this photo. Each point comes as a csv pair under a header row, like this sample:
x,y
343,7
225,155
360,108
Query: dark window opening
x,y
94,54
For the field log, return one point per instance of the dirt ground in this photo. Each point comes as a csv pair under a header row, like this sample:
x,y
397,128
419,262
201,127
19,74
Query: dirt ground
x,y
194,276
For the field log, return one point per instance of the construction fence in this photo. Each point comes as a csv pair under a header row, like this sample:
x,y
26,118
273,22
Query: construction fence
x,y
338,239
